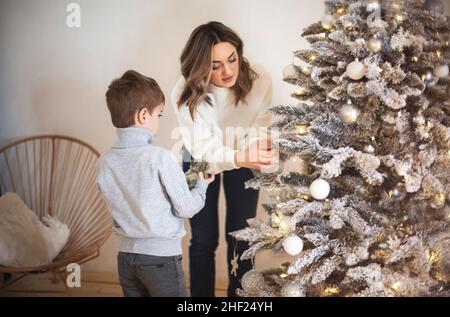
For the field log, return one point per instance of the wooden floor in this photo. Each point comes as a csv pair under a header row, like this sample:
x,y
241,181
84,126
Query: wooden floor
x,y
92,285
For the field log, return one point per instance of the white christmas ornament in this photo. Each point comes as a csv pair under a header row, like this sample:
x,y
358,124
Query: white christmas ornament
x,y
375,45
419,119
292,289
428,77
369,148
441,71
293,245
372,5
349,114
319,189
252,281
356,70
327,21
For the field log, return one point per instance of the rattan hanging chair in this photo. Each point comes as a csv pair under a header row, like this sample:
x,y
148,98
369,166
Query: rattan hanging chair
x,y
56,175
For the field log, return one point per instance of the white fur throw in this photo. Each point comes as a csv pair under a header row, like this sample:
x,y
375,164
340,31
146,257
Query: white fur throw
x,y
24,240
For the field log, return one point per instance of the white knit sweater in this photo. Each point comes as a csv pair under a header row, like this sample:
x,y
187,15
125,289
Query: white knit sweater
x,y
221,129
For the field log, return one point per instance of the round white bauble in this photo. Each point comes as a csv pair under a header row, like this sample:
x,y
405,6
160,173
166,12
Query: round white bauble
x,y
293,245
369,148
349,113
356,70
319,189
292,289
252,281
375,45
327,21
428,77
441,71
372,5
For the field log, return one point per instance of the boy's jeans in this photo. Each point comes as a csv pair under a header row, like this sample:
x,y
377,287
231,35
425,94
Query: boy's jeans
x,y
147,275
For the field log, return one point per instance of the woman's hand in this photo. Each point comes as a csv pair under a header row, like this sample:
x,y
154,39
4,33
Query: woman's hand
x,y
209,178
260,156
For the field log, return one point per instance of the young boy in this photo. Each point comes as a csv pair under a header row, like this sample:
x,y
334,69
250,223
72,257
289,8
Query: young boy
x,y
146,192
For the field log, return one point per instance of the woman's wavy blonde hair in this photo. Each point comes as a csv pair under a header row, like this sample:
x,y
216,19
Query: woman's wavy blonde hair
x,y
196,65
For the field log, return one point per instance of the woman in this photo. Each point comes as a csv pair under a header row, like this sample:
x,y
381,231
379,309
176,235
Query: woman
x,y
222,94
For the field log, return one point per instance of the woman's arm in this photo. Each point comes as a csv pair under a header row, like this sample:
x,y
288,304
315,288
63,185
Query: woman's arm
x,y
203,138
258,140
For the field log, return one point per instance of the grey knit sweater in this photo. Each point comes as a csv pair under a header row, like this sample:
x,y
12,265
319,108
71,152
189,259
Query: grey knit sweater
x,y
147,194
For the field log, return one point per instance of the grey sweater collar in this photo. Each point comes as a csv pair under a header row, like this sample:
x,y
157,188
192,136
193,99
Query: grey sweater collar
x,y
133,137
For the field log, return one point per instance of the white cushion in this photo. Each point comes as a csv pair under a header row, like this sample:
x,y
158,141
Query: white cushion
x,y
24,240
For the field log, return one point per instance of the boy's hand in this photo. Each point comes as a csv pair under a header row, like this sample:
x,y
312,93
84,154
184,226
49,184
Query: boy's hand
x,y
209,178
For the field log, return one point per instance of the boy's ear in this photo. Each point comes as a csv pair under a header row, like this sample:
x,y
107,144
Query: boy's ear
x,y
142,115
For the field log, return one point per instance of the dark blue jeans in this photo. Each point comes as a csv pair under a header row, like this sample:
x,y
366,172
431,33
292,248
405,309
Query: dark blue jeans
x,y
147,275
241,205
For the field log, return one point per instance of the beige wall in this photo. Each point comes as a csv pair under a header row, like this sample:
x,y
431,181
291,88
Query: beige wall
x,y
53,78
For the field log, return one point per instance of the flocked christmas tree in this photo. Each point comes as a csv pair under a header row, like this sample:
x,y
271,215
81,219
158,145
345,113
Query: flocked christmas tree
x,y
371,215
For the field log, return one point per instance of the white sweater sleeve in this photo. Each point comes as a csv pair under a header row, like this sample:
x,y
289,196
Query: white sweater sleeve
x,y
203,137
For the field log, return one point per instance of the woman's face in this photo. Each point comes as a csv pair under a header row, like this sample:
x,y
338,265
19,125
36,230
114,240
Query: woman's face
x,y
225,65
